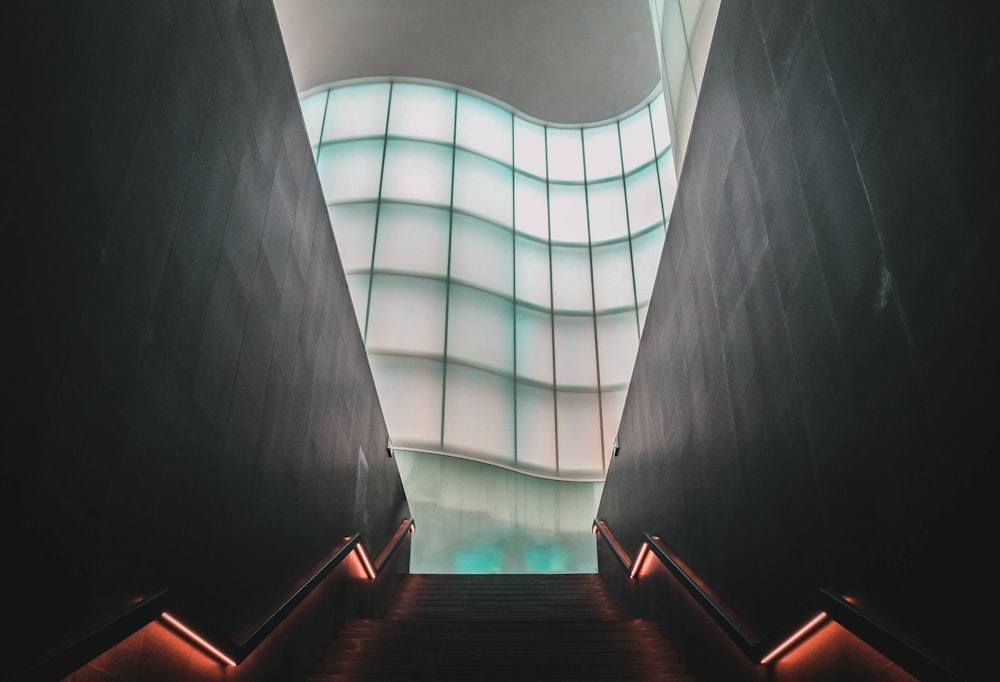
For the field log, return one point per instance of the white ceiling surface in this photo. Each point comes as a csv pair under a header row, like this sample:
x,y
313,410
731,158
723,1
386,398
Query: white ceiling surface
x,y
562,61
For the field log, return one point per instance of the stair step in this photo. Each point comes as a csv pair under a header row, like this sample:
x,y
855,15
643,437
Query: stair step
x,y
485,628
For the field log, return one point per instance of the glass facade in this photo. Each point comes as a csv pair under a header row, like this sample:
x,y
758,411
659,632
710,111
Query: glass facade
x,y
684,30
500,266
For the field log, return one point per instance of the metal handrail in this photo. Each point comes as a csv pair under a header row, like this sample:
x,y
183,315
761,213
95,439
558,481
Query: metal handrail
x,y
797,625
166,604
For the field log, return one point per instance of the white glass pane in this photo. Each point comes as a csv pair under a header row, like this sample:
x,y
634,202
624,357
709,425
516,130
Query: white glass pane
x,y
483,188
603,155
642,318
350,170
644,207
565,154
536,428
534,344
354,230
312,115
617,343
479,414
356,111
613,277
531,206
700,37
668,182
407,315
571,288
529,147
409,390
484,127
646,251
531,270
417,171
675,50
422,111
661,132
412,239
612,405
576,359
579,421
568,213
480,329
608,219
637,140
482,254
358,285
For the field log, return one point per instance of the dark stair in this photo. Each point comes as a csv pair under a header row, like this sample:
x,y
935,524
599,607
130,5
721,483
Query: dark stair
x,y
501,627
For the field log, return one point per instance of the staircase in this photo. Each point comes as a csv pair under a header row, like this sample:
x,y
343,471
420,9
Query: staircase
x,y
501,627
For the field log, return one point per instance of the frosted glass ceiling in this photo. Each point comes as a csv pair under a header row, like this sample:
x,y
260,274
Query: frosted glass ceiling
x,y
500,267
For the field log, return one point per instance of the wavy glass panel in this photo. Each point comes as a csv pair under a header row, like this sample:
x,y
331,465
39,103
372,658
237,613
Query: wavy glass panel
x,y
354,228
357,111
571,289
313,108
536,428
479,414
646,252
529,147
603,155
412,239
617,343
637,140
534,344
576,357
485,128
422,112
483,188
531,206
349,171
565,154
613,283
643,191
417,172
579,433
480,329
568,214
403,384
608,217
506,239
485,255
407,315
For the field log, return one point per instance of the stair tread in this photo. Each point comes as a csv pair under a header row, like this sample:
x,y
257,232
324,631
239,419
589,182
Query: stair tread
x,y
501,627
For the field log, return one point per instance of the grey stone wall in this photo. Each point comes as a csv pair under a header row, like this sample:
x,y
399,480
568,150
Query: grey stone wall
x,y
814,402
191,392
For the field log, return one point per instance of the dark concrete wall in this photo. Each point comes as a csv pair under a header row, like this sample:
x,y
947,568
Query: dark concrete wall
x,y
816,393
191,392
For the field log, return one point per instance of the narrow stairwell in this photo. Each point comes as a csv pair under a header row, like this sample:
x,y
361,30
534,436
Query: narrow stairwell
x,y
501,627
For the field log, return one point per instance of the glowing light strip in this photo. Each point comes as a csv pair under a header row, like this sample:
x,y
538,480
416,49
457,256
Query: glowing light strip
x,y
199,640
365,561
794,638
639,559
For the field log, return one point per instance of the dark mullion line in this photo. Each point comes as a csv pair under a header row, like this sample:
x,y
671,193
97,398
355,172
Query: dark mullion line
x,y
628,226
513,271
447,289
322,127
593,299
552,304
378,212
666,74
659,179
687,45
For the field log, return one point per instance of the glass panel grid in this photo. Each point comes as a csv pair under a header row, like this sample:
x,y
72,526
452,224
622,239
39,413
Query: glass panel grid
x,y
497,237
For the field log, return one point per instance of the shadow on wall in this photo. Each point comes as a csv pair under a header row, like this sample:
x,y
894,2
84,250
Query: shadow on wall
x,y
478,518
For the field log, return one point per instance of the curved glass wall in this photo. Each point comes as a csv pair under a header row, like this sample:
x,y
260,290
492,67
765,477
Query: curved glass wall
x,y
500,267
